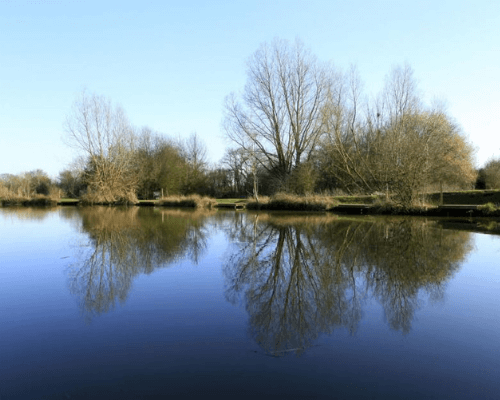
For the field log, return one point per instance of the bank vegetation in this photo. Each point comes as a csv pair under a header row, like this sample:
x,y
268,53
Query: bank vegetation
x,y
299,127
307,127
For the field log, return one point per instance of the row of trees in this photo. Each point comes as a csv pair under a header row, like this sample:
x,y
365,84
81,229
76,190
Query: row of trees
x,y
298,126
120,163
307,127
27,185
297,276
160,169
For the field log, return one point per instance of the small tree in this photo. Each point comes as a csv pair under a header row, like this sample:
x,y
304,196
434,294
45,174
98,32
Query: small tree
x,y
71,182
194,152
159,163
303,179
491,174
39,182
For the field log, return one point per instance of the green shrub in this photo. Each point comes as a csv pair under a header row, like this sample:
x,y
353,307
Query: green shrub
x,y
488,208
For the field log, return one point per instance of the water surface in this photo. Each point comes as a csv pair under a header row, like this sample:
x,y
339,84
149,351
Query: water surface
x,y
140,303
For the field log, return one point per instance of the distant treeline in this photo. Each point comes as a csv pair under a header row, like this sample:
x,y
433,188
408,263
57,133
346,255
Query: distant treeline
x,y
299,126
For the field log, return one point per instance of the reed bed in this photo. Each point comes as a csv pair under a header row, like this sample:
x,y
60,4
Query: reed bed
x,y
192,201
108,198
288,202
357,199
39,200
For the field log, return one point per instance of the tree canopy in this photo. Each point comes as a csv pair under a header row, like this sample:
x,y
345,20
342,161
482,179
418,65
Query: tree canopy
x,y
397,145
310,126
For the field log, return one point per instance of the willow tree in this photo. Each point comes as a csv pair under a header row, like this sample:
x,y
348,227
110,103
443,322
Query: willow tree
x,y
102,132
277,118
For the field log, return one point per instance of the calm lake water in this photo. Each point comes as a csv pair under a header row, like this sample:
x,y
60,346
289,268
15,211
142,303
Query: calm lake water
x,y
143,303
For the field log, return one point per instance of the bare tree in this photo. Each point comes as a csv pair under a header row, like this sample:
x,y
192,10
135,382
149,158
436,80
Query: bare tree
x,y
238,162
400,94
397,146
279,113
103,133
344,148
194,152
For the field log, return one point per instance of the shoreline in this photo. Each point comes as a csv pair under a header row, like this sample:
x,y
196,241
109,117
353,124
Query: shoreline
x,y
449,210
469,204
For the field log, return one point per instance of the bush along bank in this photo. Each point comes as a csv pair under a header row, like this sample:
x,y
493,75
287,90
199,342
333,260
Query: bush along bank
x,y
287,202
193,201
38,201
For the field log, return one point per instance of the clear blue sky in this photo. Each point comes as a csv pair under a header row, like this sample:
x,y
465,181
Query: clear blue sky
x,y
171,64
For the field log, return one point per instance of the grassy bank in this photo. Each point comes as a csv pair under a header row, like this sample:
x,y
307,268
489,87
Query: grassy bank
x,y
464,197
470,197
473,203
453,210
376,205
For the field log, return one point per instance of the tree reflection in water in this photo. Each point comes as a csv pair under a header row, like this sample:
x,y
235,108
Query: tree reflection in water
x,y
302,276
126,242
298,276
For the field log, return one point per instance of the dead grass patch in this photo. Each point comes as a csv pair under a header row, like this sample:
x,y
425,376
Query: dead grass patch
x,y
8,198
108,198
192,201
288,202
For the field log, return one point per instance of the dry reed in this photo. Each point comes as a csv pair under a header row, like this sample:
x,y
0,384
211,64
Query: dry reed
x,y
192,201
288,202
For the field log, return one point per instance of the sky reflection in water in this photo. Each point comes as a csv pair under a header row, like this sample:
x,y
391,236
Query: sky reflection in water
x,y
135,303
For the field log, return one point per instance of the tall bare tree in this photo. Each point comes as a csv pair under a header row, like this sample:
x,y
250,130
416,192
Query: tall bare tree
x,y
278,117
103,133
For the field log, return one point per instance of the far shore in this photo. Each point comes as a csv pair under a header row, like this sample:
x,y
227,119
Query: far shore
x,y
473,203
